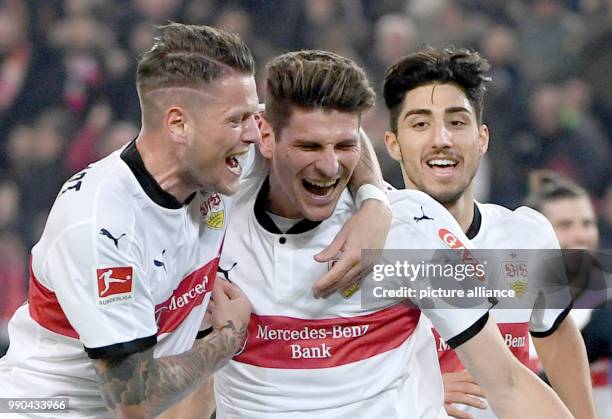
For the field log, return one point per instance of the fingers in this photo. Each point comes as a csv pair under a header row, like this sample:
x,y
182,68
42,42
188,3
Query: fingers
x,y
349,283
457,413
466,388
338,277
462,398
219,295
333,249
458,376
232,291
461,382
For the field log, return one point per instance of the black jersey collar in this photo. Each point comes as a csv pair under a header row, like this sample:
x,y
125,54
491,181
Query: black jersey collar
x,y
474,227
266,222
132,158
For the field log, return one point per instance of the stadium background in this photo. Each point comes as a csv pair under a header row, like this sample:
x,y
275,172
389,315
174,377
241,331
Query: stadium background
x,y
67,92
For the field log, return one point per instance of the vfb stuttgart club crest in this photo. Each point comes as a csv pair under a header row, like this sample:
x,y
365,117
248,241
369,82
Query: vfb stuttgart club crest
x,y
516,273
212,211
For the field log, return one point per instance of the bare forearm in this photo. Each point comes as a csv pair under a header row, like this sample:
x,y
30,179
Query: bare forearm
x,y
531,398
511,389
141,386
564,358
368,169
198,405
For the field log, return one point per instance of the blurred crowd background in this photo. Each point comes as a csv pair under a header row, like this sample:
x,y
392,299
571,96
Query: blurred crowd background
x,y
68,97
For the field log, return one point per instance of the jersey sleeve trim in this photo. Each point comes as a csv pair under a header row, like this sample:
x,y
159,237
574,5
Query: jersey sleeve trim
x,y
555,325
122,348
468,333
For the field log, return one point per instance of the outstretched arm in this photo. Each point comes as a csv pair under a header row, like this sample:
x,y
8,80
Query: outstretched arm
x,y
564,358
367,229
511,389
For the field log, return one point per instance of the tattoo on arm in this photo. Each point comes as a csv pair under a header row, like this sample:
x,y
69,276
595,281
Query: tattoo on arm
x,y
140,385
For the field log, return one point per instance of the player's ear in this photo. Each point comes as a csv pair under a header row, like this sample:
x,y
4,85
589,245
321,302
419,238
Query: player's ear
x,y
268,139
176,123
483,139
393,147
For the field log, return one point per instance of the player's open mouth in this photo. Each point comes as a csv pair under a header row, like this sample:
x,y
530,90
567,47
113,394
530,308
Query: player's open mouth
x,y
233,163
442,166
320,188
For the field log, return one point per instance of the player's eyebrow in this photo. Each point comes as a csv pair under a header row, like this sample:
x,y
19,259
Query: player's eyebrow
x,y
456,109
417,112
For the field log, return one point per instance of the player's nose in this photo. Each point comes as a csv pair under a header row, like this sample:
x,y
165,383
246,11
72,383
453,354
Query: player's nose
x,y
251,133
327,162
442,137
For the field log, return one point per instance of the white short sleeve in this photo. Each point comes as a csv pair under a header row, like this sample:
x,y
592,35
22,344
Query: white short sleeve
x,y
103,291
419,222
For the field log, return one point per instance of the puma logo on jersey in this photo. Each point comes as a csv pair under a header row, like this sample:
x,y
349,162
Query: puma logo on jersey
x,y
423,217
225,272
159,263
106,233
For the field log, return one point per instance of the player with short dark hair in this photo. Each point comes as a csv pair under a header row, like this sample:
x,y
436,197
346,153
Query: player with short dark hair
x,y
325,358
291,79
435,100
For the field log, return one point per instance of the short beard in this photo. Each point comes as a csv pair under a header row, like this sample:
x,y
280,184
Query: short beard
x,y
445,198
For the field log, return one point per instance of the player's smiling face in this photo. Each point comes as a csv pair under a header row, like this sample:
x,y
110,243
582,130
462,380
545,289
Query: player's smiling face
x,y
220,137
312,162
439,141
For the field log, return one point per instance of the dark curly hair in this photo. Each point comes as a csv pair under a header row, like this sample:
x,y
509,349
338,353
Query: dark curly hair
x,y
463,67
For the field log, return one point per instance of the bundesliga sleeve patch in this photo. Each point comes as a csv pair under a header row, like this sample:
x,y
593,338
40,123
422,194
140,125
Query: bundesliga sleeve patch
x,y
114,284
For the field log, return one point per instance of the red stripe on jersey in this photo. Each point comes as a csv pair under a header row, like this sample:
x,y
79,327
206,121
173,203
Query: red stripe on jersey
x,y
293,343
189,294
600,372
516,336
46,310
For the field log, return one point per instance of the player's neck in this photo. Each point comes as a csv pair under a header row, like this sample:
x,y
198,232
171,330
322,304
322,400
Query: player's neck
x,y
463,209
278,202
159,161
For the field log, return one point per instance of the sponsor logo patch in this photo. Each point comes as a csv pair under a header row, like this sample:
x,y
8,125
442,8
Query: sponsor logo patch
x,y
114,284
293,343
193,290
453,242
450,239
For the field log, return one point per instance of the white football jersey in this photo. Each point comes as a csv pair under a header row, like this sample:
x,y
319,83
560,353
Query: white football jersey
x,y
121,266
329,358
496,227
